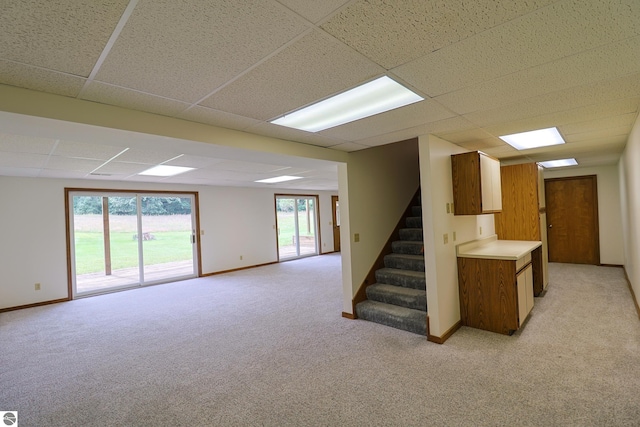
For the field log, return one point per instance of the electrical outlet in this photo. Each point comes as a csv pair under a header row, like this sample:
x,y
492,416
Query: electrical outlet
x,y
446,238
37,286
356,237
481,231
240,257
454,236
448,208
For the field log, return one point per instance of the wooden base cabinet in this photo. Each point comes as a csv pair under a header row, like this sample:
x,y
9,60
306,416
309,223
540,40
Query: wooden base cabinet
x,y
496,283
493,295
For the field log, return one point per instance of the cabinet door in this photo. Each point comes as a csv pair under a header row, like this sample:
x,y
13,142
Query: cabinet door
x,y
496,185
486,182
525,293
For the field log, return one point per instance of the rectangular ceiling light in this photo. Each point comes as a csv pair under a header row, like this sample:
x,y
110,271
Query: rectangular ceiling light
x,y
282,178
559,163
164,170
377,96
534,139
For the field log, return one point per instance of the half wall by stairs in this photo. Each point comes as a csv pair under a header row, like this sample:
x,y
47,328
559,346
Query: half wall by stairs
x,y
398,297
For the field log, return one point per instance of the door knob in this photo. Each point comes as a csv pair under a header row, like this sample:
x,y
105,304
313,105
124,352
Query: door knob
x,y
550,225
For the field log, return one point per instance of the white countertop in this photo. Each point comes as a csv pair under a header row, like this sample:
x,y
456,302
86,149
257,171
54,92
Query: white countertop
x,y
492,248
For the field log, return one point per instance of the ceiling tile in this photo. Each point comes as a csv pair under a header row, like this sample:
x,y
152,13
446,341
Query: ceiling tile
x,y
401,118
62,35
27,160
600,124
349,147
589,96
561,118
20,75
86,150
184,50
147,157
313,10
466,135
194,161
217,118
393,33
453,124
61,173
122,168
614,60
599,134
313,68
25,144
114,95
389,138
289,134
19,171
72,164
548,34
238,166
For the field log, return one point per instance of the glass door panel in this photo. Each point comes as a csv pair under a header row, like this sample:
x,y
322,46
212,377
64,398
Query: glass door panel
x,y
306,227
297,225
167,237
105,257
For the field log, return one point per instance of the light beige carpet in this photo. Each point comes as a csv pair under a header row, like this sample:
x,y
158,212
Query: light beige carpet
x,y
268,347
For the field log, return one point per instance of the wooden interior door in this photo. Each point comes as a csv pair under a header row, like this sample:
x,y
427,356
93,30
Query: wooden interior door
x,y
335,207
572,218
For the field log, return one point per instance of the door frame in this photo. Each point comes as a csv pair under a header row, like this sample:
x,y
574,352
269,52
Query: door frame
x,y
594,207
68,227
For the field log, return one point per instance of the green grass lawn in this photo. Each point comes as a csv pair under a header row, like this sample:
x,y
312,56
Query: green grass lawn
x,y
286,226
168,246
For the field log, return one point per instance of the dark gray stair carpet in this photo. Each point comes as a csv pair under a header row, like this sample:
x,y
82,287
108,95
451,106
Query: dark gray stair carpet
x,y
407,247
399,298
413,234
404,278
404,262
414,222
392,315
398,295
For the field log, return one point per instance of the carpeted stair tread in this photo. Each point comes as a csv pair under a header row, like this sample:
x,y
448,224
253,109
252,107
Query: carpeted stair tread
x,y
392,315
414,222
416,210
407,247
404,262
413,234
398,295
404,278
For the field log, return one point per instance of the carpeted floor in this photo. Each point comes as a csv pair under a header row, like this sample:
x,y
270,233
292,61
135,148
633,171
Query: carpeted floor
x,y
268,347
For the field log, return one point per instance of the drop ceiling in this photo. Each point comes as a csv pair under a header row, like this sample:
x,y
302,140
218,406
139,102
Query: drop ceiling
x,y
485,68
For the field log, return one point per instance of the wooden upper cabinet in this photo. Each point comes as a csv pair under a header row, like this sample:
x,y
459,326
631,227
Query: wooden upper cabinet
x,y
476,184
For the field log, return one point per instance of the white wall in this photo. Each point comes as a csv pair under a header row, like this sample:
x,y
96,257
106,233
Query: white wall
x,y
609,210
381,182
236,221
443,304
630,197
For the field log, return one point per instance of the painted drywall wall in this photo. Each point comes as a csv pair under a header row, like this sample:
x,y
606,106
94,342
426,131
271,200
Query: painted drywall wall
x,y
630,202
443,304
381,182
609,211
236,221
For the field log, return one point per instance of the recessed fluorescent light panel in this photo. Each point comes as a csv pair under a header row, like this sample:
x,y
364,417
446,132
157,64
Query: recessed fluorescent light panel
x,y
559,163
371,98
164,170
534,139
282,178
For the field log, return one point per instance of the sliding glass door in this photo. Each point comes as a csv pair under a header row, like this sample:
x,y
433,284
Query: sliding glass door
x,y
127,240
297,226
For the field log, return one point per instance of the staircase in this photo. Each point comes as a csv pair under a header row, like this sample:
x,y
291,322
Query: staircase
x,y
398,298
